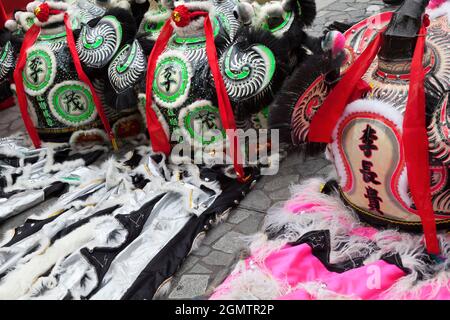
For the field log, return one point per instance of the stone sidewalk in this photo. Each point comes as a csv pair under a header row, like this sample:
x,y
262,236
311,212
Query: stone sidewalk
x,y
207,267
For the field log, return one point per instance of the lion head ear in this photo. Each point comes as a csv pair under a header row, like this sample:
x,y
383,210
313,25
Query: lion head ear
x,y
307,9
244,12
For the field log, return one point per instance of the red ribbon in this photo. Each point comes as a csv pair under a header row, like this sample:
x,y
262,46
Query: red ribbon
x,y
415,145
160,142
30,38
415,138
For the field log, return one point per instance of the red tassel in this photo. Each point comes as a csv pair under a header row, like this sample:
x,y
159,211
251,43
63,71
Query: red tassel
x,y
28,41
83,77
415,142
326,118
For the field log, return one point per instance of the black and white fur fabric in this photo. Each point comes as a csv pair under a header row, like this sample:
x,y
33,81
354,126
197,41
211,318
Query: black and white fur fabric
x,y
119,229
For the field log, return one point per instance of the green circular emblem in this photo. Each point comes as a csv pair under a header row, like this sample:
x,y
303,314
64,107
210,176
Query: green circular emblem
x,y
39,72
71,102
202,123
172,81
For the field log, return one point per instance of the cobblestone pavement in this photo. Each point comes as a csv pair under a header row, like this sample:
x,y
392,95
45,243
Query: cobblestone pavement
x,y
208,266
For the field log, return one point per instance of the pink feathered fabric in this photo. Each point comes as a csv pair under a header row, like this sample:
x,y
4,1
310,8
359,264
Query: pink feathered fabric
x,y
278,270
436,3
296,265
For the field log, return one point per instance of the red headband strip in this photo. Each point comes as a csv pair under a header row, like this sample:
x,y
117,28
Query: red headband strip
x,y
29,39
160,142
415,139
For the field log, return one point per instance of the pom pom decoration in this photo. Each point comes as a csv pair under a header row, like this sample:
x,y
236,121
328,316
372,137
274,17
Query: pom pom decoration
x,y
42,12
334,41
181,16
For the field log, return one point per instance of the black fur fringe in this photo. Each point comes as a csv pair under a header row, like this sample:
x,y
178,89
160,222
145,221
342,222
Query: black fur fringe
x,y
280,111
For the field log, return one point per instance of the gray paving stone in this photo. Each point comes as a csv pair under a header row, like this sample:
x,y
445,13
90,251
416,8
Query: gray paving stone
x,y
280,182
256,200
339,6
216,233
250,225
200,269
293,159
16,125
238,215
217,258
323,3
326,171
230,243
190,286
216,280
282,194
290,171
204,250
9,115
188,264
322,13
312,166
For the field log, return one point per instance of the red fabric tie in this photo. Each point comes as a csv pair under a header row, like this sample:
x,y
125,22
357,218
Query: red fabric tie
x,y
160,142
415,144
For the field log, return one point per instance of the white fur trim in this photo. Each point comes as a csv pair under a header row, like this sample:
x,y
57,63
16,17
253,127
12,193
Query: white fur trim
x,y
154,16
77,134
18,282
11,25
